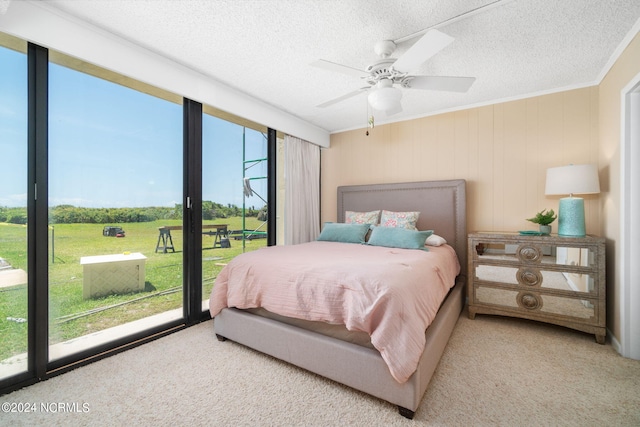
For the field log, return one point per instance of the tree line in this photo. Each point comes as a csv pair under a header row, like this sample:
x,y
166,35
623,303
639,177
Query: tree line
x,y
68,214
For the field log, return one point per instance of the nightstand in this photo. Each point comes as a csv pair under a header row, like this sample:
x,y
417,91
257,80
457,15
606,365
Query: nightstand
x,y
553,279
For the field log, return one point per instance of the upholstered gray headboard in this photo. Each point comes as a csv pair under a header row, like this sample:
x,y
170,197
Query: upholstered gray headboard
x,y
442,207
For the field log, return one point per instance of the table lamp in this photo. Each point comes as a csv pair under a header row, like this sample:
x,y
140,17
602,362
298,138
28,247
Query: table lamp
x,y
572,179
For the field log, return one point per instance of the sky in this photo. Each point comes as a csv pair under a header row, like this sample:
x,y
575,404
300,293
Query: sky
x,y
111,146
13,128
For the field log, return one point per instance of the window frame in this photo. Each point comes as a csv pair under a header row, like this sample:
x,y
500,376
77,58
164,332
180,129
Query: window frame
x,y
39,365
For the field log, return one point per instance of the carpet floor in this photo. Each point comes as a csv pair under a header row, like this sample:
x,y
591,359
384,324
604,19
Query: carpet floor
x,y
494,372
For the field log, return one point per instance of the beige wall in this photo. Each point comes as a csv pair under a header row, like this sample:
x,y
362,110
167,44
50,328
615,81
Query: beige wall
x,y
624,70
503,151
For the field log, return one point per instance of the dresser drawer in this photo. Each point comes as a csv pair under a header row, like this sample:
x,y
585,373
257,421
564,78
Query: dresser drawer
x,y
537,277
536,303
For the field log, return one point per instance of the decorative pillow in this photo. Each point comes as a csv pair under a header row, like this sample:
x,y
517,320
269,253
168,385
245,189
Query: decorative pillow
x,y
435,240
372,217
393,237
406,220
344,233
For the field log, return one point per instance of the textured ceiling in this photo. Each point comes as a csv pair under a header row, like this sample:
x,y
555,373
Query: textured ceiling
x,y
264,47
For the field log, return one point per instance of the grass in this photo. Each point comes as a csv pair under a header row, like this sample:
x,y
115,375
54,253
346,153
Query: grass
x,y
70,315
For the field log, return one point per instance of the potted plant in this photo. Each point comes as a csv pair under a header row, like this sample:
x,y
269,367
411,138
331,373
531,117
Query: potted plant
x,y
544,218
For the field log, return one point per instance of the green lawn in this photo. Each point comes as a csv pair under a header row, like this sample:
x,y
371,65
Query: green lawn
x,y
72,316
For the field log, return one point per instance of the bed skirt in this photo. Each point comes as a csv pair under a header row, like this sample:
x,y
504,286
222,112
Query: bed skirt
x,y
350,364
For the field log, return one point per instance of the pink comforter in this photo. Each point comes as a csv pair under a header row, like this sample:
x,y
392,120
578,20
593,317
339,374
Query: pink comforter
x,y
392,294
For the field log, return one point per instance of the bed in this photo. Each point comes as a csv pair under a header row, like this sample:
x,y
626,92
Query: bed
x,y
337,354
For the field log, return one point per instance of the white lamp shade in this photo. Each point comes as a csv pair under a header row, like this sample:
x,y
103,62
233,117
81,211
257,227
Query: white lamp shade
x,y
572,179
385,97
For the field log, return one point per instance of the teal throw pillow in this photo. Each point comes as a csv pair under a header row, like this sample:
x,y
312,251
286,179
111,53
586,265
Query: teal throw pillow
x,y
392,237
344,233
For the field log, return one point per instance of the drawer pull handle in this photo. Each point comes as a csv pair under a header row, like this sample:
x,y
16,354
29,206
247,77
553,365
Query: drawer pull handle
x,y
529,277
527,253
529,301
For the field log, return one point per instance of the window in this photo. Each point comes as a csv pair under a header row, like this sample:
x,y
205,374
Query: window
x,y
98,175
234,193
13,207
115,179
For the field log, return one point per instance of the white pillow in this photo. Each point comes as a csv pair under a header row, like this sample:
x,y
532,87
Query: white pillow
x,y
435,240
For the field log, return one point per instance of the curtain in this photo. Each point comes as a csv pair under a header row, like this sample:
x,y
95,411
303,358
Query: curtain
x,y
302,191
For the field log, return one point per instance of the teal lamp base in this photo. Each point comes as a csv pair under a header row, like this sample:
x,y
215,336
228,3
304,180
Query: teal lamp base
x,y
571,217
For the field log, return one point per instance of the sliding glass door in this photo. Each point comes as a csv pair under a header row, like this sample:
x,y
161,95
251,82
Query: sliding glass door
x,y
234,194
13,207
119,205
115,211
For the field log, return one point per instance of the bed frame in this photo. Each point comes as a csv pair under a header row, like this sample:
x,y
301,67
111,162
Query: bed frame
x,y
442,207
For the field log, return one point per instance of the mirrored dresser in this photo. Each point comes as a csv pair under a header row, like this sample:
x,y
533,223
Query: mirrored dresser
x,y
553,279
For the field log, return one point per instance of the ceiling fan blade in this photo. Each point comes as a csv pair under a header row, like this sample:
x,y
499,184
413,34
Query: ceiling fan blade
x,y
332,66
431,43
442,83
343,97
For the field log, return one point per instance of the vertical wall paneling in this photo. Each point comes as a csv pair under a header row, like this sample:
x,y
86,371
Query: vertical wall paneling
x,y
426,152
498,168
473,159
445,146
593,206
502,150
393,166
535,175
416,163
481,212
515,164
461,144
576,107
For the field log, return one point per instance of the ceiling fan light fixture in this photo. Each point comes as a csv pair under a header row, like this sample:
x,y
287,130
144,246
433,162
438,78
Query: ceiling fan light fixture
x,y
385,97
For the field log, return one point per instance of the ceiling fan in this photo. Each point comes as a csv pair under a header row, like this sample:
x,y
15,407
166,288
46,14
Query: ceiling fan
x,y
385,75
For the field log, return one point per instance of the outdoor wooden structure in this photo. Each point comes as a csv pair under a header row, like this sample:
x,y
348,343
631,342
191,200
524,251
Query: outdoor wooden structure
x,y
165,241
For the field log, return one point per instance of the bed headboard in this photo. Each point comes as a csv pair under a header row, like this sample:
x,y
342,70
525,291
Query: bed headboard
x,y
442,207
